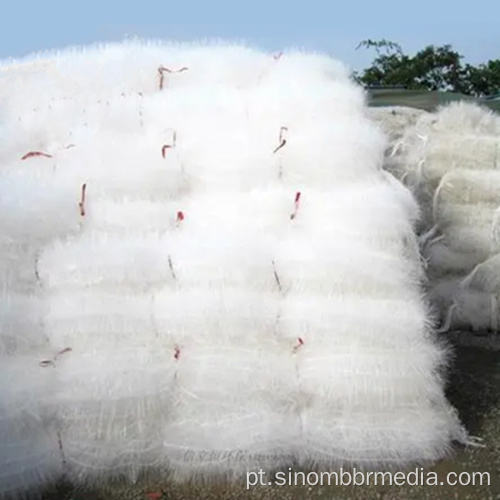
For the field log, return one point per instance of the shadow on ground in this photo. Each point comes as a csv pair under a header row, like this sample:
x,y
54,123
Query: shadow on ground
x,y
473,385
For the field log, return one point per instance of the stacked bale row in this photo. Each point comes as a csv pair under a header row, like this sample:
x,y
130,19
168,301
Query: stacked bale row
x,y
450,160
206,270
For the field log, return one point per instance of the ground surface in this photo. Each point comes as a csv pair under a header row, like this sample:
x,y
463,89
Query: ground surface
x,y
474,389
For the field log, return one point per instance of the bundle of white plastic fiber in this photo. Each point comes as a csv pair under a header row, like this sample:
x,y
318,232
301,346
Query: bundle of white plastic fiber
x,y
395,120
205,270
451,159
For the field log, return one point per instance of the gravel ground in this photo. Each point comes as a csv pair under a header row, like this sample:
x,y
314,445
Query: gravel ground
x,y
474,389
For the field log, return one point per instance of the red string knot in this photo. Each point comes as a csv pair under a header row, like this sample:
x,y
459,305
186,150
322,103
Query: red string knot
x,y
33,154
282,139
162,70
82,200
177,353
297,205
300,343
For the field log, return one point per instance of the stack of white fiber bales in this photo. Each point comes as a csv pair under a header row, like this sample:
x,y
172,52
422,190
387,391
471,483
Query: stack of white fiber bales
x,y
451,161
205,270
395,120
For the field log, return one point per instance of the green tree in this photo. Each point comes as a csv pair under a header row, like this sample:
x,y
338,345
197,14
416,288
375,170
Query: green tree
x,y
432,68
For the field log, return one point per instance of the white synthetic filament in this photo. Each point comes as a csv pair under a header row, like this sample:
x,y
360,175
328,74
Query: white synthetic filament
x,y
449,160
202,258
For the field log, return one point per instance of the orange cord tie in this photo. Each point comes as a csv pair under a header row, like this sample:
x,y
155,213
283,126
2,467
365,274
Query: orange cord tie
x,y
169,146
299,344
162,70
52,362
46,362
177,353
297,205
82,201
61,448
64,351
171,267
164,150
282,139
154,495
33,154
276,277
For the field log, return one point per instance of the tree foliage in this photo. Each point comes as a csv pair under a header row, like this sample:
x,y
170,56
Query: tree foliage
x,y
432,68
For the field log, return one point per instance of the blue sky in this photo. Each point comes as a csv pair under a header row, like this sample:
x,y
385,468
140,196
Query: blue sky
x,y
330,26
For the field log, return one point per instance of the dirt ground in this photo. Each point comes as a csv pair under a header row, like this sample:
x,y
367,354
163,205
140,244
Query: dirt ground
x,y
474,389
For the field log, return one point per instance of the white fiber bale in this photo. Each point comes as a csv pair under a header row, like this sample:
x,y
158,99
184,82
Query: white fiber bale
x,y
395,120
466,194
458,136
449,159
463,307
29,451
35,209
224,276
485,276
477,298
465,212
443,259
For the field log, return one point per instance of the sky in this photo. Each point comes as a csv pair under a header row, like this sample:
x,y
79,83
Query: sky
x,y
328,26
